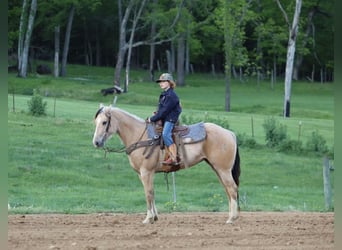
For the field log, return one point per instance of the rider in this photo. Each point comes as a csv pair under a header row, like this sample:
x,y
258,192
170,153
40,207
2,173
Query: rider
x,y
168,112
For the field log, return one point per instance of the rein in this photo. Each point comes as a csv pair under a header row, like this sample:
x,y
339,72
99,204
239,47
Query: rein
x,y
113,150
129,149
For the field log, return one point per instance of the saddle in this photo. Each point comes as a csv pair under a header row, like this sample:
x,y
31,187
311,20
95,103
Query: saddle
x,y
188,133
182,134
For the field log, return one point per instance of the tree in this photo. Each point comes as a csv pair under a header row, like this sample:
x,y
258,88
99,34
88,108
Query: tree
x,y
234,20
228,34
56,60
307,38
25,33
152,46
67,40
61,14
159,38
291,48
122,40
270,37
181,60
137,14
94,37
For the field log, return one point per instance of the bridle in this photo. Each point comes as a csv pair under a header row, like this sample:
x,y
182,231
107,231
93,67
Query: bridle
x,y
108,123
108,116
122,149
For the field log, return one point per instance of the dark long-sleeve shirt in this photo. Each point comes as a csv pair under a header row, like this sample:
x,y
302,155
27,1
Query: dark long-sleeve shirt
x,y
169,107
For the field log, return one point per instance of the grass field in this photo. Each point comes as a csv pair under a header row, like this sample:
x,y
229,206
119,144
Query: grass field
x,y
53,166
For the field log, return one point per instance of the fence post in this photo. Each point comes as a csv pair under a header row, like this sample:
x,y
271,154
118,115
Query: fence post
x,y
326,183
13,96
174,187
252,126
54,107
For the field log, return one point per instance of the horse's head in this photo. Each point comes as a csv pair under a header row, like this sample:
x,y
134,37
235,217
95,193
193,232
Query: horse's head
x,y
104,126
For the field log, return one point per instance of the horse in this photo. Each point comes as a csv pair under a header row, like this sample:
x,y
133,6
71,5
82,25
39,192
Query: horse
x,y
218,148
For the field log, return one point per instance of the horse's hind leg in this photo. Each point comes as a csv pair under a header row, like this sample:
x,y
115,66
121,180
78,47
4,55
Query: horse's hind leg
x,y
232,192
147,181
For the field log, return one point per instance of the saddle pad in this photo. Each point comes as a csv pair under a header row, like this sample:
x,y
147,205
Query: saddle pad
x,y
196,133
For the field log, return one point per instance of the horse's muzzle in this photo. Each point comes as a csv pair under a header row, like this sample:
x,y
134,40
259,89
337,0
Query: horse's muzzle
x,y
98,144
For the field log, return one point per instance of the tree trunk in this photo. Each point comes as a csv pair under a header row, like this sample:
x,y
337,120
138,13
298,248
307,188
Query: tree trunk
x,y
228,53
67,40
169,61
130,44
98,47
25,51
56,62
259,49
152,46
87,45
180,60
187,49
274,68
22,31
290,58
173,58
227,94
299,58
122,43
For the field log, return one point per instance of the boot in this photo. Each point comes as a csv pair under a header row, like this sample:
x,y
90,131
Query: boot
x,y
172,160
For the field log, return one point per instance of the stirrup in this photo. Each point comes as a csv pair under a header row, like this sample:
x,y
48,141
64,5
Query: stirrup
x,y
169,161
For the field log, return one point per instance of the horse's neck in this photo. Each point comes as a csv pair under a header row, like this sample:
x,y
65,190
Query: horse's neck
x,y
130,128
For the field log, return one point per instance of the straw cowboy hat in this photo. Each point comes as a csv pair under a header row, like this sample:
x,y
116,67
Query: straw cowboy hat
x,y
167,77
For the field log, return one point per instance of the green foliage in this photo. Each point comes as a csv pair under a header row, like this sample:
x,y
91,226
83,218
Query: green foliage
x,y
287,145
188,119
275,132
36,105
246,141
206,23
317,143
172,206
215,202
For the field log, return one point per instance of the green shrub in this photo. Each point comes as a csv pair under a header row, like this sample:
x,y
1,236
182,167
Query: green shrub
x,y
36,105
317,143
246,141
289,145
275,132
172,206
215,202
188,119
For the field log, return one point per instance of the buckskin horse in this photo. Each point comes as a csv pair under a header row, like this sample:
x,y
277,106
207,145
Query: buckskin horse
x,y
214,144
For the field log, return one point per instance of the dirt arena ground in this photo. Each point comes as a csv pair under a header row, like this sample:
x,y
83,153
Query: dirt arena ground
x,y
253,230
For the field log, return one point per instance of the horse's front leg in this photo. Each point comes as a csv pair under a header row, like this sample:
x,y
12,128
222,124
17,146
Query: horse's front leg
x,y
146,178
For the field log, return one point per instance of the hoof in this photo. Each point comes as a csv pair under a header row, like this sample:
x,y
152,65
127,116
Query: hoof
x,y
231,220
149,220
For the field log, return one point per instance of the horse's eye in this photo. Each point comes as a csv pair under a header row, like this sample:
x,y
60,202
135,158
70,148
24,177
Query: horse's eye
x,y
104,123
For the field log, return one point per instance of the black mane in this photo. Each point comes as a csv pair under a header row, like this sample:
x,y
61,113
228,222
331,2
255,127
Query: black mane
x,y
98,112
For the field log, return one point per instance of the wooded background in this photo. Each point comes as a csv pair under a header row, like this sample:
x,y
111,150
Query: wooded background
x,y
156,30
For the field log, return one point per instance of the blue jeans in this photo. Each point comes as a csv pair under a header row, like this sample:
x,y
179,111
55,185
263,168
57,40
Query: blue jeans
x,y
167,133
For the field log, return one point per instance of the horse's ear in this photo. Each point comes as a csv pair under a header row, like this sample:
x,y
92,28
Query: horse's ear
x,y
107,110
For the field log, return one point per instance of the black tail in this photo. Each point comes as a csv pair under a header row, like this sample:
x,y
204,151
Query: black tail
x,y
236,168
236,172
